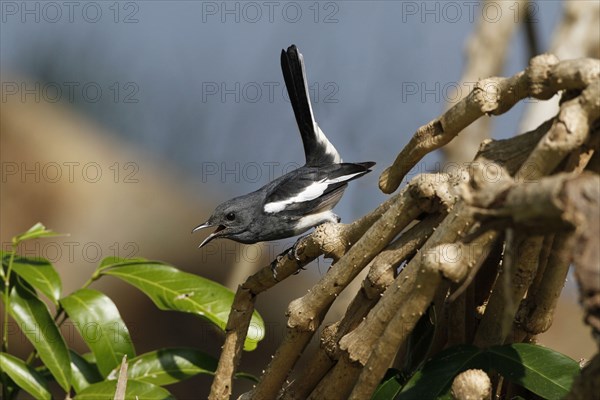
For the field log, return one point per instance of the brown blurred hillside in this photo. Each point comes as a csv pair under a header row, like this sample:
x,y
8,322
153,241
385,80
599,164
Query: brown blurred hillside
x,y
75,177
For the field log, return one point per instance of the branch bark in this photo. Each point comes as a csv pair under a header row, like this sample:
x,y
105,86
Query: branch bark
x,y
380,276
504,213
327,239
544,77
306,313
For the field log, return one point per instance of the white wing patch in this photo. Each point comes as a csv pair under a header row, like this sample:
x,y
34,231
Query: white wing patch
x,y
311,192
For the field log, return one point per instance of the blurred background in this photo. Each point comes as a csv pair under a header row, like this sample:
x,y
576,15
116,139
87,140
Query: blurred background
x,y
123,123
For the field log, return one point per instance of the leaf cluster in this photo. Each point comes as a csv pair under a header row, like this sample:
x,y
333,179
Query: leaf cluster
x,y
30,288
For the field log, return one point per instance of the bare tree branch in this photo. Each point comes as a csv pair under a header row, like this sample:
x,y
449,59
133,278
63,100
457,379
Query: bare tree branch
x,y
544,77
485,55
306,313
499,228
536,312
327,239
380,276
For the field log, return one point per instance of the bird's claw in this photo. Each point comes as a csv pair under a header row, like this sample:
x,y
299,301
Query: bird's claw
x,y
293,251
301,268
274,269
292,254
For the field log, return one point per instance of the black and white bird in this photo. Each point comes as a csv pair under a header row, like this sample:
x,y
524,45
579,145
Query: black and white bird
x,y
300,199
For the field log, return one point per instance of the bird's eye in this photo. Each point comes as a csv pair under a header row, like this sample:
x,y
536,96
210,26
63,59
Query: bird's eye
x,y
230,216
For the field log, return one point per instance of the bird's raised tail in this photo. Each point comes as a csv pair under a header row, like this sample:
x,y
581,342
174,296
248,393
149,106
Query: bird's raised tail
x,y
317,148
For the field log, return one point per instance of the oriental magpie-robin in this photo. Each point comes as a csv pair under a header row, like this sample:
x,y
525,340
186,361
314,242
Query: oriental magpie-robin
x,y
300,199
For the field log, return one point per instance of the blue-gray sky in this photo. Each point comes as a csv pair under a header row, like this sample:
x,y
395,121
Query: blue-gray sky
x,y
207,89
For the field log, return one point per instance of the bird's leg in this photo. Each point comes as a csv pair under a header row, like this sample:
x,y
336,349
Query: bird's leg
x,y
293,251
292,254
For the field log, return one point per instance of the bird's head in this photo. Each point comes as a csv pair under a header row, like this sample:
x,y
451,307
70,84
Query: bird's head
x,y
231,219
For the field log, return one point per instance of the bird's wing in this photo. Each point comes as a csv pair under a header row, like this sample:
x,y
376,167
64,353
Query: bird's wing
x,y
317,148
312,189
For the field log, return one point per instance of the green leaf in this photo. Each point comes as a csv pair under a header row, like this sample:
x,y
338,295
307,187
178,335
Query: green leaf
x,y
435,378
3,263
39,273
84,373
246,375
389,387
112,261
25,376
172,289
171,365
135,390
99,323
36,231
540,370
33,317
89,357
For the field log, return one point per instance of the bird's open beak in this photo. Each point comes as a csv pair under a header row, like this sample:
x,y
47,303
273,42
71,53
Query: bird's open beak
x,y
213,235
